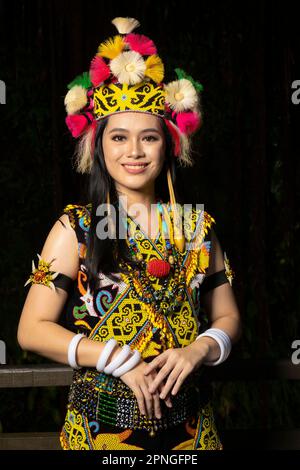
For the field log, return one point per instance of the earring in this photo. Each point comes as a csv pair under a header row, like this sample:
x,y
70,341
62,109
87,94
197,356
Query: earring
x,y
179,239
111,227
108,203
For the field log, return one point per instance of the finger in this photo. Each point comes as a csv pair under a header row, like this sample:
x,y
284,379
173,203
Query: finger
x,y
156,405
157,362
179,382
167,400
148,399
140,400
170,382
162,374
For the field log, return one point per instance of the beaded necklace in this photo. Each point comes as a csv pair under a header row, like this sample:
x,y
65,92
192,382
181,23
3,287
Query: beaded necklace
x,y
169,297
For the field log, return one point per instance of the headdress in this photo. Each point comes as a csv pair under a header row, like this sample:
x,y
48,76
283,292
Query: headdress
x,y
127,74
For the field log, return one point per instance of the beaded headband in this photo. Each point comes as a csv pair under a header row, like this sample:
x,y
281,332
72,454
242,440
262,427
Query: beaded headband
x,y
127,74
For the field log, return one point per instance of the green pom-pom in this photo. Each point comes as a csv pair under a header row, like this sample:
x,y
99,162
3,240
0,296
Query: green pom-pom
x,y
181,74
83,80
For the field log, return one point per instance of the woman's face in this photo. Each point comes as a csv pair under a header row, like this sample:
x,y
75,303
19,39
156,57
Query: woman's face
x,y
134,150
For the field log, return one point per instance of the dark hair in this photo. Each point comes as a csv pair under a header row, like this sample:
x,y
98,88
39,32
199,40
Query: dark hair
x,y
103,255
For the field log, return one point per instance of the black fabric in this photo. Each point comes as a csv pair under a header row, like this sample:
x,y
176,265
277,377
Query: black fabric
x,y
64,282
213,280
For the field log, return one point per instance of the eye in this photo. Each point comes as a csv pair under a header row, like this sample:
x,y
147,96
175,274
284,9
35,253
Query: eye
x,y
151,138
118,138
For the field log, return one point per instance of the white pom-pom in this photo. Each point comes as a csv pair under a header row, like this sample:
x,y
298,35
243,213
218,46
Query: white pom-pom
x,y
125,25
181,95
129,67
75,99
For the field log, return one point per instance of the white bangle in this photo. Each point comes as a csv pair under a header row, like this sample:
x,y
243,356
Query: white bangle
x,y
72,350
123,354
130,364
105,353
223,341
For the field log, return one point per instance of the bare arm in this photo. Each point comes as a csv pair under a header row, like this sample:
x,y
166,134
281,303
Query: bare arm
x,y
38,330
220,306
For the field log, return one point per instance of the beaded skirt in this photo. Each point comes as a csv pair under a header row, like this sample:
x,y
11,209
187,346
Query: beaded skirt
x,y
103,413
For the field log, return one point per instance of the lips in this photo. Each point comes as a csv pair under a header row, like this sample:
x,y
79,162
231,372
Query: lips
x,y
135,168
135,164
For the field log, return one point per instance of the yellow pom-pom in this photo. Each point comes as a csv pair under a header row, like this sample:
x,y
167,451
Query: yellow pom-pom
x,y
125,25
155,68
75,99
112,47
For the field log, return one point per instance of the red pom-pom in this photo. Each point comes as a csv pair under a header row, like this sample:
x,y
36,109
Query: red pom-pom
x,y
141,44
158,268
188,122
77,123
99,71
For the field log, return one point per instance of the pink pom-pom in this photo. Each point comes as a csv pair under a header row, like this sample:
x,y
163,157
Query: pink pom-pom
x,y
77,123
175,137
141,44
188,122
99,71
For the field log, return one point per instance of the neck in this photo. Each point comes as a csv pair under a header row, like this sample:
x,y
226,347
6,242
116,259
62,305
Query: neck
x,y
144,198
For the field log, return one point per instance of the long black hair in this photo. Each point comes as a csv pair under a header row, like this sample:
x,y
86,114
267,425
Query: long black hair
x,y
103,255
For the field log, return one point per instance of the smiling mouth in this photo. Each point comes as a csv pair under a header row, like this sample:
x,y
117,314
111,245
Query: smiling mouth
x,y
135,165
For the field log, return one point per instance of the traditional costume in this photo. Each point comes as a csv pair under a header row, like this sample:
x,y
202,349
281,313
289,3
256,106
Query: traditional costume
x,y
157,305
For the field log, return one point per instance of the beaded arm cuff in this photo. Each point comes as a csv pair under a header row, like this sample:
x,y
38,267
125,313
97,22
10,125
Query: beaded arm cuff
x,y
43,275
218,278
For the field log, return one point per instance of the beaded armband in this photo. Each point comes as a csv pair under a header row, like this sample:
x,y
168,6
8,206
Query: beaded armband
x,y
43,275
218,278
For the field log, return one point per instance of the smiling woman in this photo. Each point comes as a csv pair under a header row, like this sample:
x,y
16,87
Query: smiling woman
x,y
131,323
134,142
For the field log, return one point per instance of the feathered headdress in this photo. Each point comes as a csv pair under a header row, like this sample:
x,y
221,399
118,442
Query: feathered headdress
x,y
127,74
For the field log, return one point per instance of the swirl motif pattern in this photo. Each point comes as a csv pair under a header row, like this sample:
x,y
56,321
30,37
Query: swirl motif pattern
x,y
114,97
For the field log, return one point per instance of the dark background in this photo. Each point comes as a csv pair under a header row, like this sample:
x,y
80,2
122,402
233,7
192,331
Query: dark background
x,y
246,55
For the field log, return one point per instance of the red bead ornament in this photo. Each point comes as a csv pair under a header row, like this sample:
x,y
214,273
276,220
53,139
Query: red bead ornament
x,y
158,268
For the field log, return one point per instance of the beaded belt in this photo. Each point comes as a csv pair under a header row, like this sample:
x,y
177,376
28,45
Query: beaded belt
x,y
107,399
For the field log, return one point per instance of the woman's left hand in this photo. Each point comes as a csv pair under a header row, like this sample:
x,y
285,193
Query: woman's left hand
x,y
175,365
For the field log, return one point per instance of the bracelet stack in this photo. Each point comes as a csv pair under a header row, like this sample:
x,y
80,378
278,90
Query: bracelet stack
x,y
223,341
124,362
72,350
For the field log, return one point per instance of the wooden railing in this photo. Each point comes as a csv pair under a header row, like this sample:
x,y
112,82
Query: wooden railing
x,y
47,375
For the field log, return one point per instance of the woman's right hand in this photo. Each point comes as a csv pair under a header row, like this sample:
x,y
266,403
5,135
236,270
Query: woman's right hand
x,y
139,384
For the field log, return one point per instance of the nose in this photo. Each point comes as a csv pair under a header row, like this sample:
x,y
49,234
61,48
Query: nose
x,y
135,149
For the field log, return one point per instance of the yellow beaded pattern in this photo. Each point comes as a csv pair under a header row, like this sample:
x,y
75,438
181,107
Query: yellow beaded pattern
x,y
198,258
115,97
131,321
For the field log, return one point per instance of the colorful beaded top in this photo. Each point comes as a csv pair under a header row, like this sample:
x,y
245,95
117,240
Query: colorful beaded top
x,y
99,405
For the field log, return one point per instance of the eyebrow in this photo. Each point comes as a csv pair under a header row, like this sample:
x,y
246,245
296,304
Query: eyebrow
x,y
151,129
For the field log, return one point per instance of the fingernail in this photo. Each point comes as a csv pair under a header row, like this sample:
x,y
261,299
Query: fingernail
x,y
158,416
162,396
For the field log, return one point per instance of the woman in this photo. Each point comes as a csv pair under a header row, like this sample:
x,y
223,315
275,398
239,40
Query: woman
x,y
124,275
